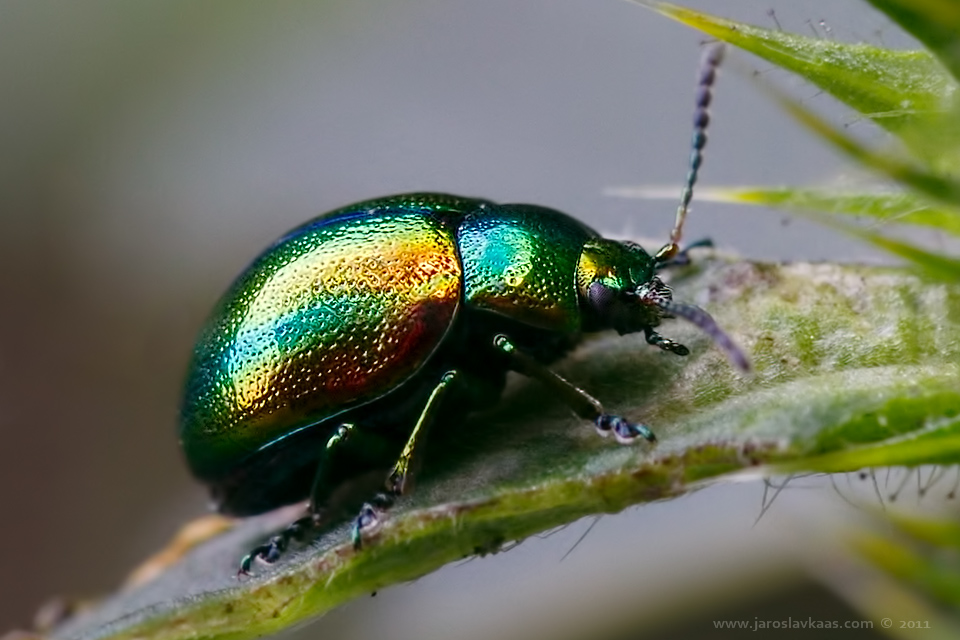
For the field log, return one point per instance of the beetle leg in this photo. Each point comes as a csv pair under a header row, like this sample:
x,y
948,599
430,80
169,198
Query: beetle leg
x,y
400,480
271,550
338,440
582,403
666,344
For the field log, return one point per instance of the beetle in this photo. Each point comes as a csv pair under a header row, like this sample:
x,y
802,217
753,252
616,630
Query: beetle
x,y
334,352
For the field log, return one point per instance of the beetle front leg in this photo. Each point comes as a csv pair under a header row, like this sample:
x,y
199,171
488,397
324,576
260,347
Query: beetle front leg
x,y
400,480
682,259
666,344
582,403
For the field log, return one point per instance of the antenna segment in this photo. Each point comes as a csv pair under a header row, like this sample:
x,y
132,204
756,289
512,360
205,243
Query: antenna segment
x,y
707,75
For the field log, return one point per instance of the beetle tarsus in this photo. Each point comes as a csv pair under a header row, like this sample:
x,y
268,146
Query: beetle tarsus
x,y
624,431
400,480
666,344
368,522
271,551
682,258
583,404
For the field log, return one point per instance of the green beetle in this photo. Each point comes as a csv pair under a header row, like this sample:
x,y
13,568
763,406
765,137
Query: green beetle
x,y
332,355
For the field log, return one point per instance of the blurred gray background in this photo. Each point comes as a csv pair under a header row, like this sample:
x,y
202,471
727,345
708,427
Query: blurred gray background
x,y
149,150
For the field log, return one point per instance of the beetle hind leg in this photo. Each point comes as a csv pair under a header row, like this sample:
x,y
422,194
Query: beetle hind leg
x,y
271,551
623,430
400,480
582,403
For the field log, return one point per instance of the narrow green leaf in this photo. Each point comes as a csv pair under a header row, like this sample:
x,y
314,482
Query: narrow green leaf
x,y
943,188
935,23
888,207
916,551
940,533
847,360
896,207
892,88
894,587
934,265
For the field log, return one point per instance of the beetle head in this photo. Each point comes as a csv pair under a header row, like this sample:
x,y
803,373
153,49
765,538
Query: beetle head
x,y
619,289
618,284
617,281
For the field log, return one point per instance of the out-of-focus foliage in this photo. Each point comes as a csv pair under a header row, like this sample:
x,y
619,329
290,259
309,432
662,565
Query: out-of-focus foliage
x,y
911,94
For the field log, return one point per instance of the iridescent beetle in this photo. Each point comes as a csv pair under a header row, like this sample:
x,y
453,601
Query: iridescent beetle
x,y
333,353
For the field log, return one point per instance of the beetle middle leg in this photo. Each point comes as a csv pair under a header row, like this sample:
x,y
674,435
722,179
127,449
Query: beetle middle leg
x,y
400,480
582,403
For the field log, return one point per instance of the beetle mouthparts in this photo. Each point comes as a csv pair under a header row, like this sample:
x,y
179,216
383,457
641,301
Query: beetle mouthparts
x,y
706,323
654,293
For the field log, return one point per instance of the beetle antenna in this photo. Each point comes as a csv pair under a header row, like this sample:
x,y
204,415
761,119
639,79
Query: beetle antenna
x,y
705,322
712,57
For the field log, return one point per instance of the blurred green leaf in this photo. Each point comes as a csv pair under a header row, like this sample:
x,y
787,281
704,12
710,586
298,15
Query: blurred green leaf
x,y
918,551
935,23
934,265
853,367
925,179
845,71
892,88
898,207
941,533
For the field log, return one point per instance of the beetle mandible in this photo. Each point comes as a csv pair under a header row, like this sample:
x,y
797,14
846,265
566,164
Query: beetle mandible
x,y
330,357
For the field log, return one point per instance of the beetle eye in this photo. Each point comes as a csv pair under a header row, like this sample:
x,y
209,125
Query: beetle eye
x,y
601,296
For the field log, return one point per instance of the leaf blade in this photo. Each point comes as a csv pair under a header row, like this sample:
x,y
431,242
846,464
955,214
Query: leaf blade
x,y
935,23
837,352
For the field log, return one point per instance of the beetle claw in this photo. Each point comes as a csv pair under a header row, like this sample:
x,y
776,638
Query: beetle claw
x,y
624,431
245,563
263,553
368,522
273,549
682,258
